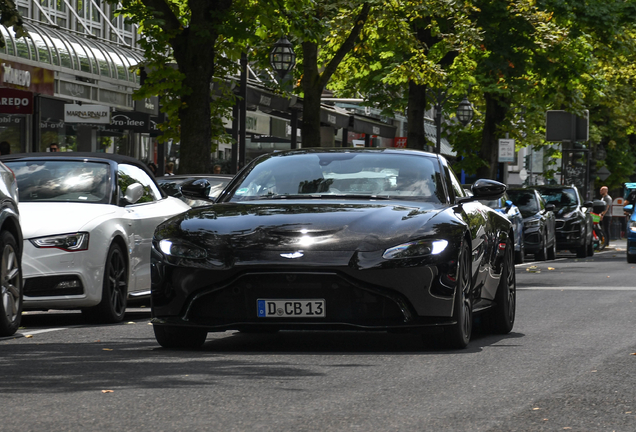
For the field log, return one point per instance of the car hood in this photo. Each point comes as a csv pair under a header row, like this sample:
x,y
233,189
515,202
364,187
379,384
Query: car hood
x,y
42,219
316,226
559,212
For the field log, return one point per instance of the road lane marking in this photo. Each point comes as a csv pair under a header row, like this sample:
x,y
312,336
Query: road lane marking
x,y
576,288
42,331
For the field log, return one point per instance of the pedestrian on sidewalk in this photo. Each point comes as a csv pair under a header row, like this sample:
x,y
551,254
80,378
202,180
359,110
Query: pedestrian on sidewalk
x,y
606,215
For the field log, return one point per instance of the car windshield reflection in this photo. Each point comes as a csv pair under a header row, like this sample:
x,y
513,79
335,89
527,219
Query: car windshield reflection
x,y
342,175
67,181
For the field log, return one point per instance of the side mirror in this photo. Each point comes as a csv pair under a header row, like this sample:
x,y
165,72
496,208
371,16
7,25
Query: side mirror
x,y
549,207
485,189
629,208
197,189
133,193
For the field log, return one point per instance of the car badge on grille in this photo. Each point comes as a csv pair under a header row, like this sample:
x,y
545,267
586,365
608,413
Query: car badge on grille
x,y
292,255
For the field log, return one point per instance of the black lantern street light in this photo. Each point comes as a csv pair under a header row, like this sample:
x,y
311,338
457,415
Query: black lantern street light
x,y
282,58
465,111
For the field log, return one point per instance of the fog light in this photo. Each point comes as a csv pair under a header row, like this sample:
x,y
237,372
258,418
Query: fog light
x,y
68,284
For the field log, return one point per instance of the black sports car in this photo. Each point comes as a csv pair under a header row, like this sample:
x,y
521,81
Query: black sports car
x,y
336,239
574,221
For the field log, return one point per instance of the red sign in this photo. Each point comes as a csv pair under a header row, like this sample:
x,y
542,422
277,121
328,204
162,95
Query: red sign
x,y
23,77
15,101
399,142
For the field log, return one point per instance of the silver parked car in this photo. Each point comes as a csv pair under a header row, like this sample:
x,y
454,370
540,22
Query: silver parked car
x,y
11,294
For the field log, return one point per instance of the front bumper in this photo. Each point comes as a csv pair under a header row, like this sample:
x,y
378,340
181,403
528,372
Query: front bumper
x,y
378,298
569,234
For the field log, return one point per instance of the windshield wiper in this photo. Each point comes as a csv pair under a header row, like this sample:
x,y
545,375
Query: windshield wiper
x,y
324,196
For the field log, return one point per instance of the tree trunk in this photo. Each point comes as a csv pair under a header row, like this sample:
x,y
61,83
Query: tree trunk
x,y
416,135
496,110
312,89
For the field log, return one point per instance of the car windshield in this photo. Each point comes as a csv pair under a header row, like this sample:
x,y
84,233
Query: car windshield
x,y
560,197
342,175
66,181
526,201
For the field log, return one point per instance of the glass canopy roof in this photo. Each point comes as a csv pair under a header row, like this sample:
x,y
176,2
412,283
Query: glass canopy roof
x,y
64,49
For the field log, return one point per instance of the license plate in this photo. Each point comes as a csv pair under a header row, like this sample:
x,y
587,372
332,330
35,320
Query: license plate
x,y
309,308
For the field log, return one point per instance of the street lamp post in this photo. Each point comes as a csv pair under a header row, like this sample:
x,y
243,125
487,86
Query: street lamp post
x,y
282,58
464,114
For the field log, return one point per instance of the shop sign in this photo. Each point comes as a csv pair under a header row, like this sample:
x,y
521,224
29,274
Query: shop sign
x,y
15,101
132,121
94,114
148,105
24,77
399,142
75,89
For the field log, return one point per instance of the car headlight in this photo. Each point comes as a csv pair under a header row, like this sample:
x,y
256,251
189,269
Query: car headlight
x,y
532,223
416,249
68,242
569,215
182,249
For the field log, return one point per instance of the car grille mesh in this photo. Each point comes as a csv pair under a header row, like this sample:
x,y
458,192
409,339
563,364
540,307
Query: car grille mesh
x,y
344,302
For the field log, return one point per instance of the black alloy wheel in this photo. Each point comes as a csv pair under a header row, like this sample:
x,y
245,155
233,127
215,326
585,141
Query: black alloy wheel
x,y
458,335
11,295
503,314
112,307
176,337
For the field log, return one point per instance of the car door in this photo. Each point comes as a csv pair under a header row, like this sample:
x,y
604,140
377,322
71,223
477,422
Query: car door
x,y
550,221
143,217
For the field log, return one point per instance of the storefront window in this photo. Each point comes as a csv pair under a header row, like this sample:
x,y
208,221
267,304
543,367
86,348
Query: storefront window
x,y
13,131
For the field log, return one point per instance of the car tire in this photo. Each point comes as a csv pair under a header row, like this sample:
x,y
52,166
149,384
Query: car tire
x,y
458,335
552,251
581,252
631,258
177,337
590,248
11,294
502,317
542,253
112,307
519,257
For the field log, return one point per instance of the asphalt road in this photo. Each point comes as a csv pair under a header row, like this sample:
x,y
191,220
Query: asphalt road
x,y
568,365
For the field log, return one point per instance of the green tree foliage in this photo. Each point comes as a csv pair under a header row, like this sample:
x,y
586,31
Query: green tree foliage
x,y
10,17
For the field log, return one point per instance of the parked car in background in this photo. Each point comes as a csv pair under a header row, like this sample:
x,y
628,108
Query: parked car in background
x,y
574,221
506,207
539,223
631,233
11,295
88,221
171,185
336,239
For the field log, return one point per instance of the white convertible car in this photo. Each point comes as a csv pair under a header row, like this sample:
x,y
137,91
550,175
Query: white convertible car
x,y
88,220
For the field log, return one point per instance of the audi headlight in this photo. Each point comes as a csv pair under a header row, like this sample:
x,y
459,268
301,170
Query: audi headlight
x,y
182,249
68,242
416,249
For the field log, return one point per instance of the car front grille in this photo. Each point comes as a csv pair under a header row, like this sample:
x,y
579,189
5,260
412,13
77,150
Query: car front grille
x,y
53,286
344,301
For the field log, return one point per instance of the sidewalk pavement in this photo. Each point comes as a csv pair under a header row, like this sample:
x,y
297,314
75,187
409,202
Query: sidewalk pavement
x,y
617,245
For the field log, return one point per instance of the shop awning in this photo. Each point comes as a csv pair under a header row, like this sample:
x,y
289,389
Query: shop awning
x,y
370,126
335,117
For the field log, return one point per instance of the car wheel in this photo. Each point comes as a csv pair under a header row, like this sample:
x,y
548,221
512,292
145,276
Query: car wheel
x,y
503,314
590,247
11,285
631,258
112,307
542,253
581,252
179,337
552,251
458,335
520,254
